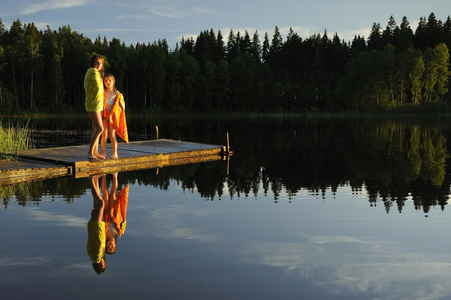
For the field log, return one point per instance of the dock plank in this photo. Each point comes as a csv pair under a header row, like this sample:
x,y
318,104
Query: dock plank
x,y
73,160
15,172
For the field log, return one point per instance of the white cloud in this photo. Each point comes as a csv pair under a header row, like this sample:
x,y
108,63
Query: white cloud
x,y
120,30
179,13
200,10
166,223
410,280
129,16
366,267
51,5
338,239
23,261
62,219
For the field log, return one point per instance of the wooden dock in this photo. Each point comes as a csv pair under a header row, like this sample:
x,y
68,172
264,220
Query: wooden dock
x,y
38,164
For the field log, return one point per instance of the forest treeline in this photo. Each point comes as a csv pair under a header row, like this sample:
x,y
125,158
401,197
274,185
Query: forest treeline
x,y
43,71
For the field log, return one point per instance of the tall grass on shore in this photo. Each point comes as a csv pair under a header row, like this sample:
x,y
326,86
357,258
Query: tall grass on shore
x,y
13,139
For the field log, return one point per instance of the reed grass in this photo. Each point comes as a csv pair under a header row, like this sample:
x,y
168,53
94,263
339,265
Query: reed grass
x,y
13,139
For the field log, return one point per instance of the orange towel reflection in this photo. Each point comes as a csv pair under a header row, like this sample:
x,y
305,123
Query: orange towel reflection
x,y
108,220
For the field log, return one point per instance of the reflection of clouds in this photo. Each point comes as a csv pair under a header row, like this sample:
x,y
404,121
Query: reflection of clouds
x,y
289,261
346,264
168,225
337,239
62,219
23,261
412,280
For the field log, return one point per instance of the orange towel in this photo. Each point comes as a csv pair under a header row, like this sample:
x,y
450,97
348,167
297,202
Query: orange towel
x,y
120,210
118,118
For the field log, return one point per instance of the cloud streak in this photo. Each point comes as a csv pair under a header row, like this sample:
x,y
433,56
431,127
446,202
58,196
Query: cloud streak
x,y
170,224
179,13
65,220
51,5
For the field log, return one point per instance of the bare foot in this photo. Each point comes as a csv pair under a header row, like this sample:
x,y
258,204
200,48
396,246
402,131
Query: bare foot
x,y
114,156
99,156
92,157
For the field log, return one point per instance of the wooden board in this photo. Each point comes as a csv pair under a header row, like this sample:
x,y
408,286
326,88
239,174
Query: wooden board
x,y
146,165
15,172
73,160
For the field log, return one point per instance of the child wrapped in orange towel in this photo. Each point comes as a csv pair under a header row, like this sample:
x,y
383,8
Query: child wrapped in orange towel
x,y
114,121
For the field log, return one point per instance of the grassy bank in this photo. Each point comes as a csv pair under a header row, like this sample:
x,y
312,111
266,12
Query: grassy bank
x,y
13,139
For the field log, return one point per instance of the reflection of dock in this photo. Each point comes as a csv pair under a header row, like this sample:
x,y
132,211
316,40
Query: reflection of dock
x,y
38,164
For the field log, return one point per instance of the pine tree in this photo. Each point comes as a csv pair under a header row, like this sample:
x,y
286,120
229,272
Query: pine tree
x,y
375,38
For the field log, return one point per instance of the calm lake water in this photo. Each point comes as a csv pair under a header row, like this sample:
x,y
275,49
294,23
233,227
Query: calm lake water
x,y
306,208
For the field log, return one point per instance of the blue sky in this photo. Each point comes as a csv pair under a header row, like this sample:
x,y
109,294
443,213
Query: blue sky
x,y
144,21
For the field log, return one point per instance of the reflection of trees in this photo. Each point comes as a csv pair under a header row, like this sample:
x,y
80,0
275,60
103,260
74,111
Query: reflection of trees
x,y
392,161
397,160
21,192
48,190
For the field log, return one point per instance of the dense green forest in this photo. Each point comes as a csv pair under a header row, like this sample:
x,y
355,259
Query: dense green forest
x,y
43,71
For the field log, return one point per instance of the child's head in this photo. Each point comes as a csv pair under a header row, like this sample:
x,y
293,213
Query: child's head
x,y
97,62
100,267
111,245
109,81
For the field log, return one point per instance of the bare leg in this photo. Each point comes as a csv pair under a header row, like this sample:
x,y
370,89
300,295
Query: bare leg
x,y
106,195
114,185
104,138
113,140
97,129
99,204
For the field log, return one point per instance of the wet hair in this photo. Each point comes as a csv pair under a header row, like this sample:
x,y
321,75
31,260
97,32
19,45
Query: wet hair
x,y
95,61
98,267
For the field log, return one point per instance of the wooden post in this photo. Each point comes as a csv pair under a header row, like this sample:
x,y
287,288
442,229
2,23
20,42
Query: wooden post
x,y
227,145
156,127
228,165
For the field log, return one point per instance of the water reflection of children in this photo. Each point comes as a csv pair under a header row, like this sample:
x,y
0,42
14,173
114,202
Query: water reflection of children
x,y
96,229
108,220
115,213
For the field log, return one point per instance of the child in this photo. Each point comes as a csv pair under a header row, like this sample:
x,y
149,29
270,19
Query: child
x,y
113,116
96,229
94,103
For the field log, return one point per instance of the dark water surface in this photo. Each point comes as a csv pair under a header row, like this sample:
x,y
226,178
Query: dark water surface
x,y
340,208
